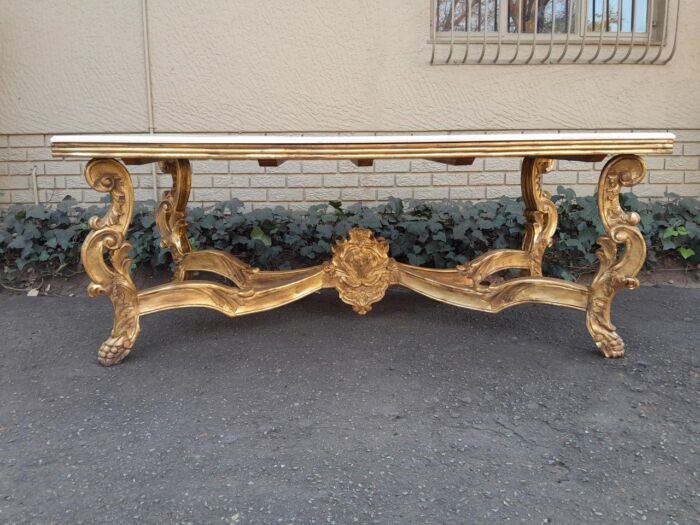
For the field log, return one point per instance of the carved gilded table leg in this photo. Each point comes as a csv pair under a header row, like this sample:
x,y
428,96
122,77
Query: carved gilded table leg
x,y
112,277
540,212
616,270
171,216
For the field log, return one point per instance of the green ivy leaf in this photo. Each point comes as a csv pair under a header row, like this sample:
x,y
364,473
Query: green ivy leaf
x,y
147,220
337,206
668,244
37,212
671,232
395,205
257,234
686,252
18,243
415,259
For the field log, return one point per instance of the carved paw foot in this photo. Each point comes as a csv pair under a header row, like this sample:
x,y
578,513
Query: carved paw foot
x,y
603,332
610,345
114,350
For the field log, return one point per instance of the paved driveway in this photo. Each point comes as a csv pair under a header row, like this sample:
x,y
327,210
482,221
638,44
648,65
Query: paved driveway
x,y
416,413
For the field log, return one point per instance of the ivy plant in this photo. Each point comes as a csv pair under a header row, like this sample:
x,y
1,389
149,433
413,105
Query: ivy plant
x,y
432,234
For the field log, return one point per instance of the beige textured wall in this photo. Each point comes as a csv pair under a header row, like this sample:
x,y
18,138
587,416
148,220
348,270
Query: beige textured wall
x,y
71,65
309,66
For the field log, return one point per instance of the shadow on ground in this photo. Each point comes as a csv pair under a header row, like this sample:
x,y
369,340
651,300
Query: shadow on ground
x,y
417,413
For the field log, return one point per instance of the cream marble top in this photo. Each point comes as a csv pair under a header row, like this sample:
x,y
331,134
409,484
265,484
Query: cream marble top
x,y
285,147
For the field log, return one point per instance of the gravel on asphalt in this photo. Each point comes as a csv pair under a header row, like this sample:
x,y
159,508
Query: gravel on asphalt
x,y
416,413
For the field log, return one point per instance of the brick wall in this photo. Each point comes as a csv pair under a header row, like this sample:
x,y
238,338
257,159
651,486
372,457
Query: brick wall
x,y
300,184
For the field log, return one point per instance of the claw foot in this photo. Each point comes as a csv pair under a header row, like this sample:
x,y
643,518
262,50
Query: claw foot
x,y
114,350
610,345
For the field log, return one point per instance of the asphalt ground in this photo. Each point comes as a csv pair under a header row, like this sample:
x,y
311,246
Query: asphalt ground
x,y
416,413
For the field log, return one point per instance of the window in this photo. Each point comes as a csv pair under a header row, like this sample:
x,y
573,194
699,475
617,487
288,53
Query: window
x,y
608,14
554,31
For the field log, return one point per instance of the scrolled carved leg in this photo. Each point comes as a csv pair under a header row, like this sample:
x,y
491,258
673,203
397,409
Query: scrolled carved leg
x,y
171,216
540,212
112,277
616,271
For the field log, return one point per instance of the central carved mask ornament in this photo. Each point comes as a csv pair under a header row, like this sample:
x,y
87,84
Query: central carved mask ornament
x,y
361,269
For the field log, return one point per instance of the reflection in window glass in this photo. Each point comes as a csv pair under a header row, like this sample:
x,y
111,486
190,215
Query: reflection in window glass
x,y
482,15
559,16
523,13
619,15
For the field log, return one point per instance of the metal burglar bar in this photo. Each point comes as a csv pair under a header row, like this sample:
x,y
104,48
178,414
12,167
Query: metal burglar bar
x,y
554,31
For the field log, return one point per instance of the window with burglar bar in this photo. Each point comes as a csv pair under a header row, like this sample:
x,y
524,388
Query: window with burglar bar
x,y
553,31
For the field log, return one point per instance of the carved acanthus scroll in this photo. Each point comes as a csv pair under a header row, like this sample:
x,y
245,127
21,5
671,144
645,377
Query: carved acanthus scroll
x,y
112,278
171,216
361,269
540,212
616,271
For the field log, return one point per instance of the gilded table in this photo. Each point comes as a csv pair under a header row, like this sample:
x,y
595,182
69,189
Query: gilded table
x,y
360,268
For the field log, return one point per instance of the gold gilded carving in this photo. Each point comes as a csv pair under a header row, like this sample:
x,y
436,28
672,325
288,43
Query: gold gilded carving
x,y
474,272
171,215
540,212
220,263
361,269
447,286
112,277
267,290
616,271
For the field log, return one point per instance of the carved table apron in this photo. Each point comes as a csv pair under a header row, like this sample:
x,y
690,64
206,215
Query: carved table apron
x,y
360,268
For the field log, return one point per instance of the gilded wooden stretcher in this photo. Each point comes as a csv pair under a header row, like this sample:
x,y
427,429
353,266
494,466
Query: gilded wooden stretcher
x,y
360,269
